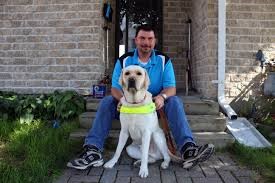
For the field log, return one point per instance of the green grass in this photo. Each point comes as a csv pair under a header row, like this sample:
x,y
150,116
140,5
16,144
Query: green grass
x,y
35,152
261,160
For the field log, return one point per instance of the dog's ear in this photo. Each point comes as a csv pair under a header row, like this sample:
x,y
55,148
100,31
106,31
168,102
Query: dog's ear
x,y
146,82
121,82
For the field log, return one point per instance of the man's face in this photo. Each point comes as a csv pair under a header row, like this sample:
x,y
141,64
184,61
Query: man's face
x,y
145,41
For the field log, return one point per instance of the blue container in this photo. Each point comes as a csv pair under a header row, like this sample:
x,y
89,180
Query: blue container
x,y
99,91
56,123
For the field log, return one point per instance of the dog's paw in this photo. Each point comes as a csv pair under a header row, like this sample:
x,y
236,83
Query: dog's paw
x,y
143,172
164,164
110,164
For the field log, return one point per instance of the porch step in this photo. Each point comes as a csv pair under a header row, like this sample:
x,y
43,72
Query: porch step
x,y
193,105
219,139
197,106
198,123
207,124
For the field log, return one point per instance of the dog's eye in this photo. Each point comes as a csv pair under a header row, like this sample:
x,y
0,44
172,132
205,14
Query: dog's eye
x,y
127,73
139,73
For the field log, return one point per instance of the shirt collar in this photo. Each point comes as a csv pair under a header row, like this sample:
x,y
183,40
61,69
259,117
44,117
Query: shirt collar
x,y
152,58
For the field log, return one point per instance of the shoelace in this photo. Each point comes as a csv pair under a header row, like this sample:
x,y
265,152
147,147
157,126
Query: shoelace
x,y
192,152
83,154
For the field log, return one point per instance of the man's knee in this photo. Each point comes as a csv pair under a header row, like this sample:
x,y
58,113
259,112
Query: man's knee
x,y
108,100
175,100
107,103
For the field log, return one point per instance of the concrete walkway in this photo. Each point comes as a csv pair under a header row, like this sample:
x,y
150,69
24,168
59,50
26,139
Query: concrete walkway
x,y
220,168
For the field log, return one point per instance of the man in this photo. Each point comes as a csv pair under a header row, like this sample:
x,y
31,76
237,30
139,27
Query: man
x,y
162,87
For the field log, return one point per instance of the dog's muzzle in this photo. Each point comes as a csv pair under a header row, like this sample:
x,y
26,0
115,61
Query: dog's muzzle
x,y
131,83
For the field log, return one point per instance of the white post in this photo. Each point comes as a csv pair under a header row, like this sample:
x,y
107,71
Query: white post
x,y
221,45
221,59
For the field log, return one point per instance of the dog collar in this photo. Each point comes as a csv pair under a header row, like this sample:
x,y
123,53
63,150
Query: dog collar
x,y
144,109
137,102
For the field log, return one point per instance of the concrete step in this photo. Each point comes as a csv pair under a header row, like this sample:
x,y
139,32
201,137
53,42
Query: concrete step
x,y
219,139
193,105
198,123
196,106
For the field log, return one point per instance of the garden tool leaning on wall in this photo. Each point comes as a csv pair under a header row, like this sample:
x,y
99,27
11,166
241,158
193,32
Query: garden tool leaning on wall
x,y
107,14
188,75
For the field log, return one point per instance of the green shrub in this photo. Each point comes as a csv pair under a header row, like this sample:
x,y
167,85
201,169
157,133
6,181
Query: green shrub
x,y
8,102
66,105
269,120
30,149
57,105
35,153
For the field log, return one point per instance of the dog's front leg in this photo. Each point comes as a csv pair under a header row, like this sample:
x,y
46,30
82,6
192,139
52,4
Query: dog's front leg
x,y
159,139
143,172
123,136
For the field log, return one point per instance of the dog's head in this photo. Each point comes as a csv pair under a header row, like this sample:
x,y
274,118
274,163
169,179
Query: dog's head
x,y
134,78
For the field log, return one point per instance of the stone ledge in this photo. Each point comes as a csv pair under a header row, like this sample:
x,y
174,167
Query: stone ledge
x,y
219,139
208,123
193,105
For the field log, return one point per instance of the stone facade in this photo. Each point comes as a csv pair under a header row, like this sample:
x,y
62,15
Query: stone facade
x,y
61,44
250,27
175,35
47,45
204,47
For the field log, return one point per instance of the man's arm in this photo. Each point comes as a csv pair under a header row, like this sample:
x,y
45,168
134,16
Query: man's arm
x,y
159,99
169,85
116,93
171,91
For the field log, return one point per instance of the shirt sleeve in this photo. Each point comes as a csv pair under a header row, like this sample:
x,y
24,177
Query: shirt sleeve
x,y
169,75
116,75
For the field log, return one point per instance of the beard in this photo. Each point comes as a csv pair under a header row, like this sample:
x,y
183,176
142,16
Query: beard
x,y
145,49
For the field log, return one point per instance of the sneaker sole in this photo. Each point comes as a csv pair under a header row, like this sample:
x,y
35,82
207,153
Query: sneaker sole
x,y
97,163
193,162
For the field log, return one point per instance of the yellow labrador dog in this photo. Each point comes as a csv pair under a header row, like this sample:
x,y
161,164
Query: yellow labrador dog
x,y
138,118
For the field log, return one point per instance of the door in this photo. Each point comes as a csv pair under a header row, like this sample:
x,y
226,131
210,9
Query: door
x,y
132,13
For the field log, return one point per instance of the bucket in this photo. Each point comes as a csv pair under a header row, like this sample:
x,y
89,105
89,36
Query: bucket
x,y
99,90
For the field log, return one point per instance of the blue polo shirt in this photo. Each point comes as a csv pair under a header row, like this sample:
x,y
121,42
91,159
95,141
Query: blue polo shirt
x,y
159,69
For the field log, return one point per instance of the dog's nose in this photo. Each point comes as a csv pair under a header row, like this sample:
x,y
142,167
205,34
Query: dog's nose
x,y
131,83
131,79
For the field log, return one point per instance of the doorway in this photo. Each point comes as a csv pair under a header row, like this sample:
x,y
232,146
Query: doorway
x,y
132,13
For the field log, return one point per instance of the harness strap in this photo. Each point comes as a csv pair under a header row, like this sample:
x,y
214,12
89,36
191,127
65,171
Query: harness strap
x,y
145,109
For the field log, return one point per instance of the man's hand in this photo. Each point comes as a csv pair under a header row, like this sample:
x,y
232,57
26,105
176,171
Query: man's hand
x,y
118,106
159,101
117,94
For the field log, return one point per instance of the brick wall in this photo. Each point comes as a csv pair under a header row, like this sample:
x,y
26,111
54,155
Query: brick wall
x,y
175,35
50,44
60,44
204,47
250,27
203,42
